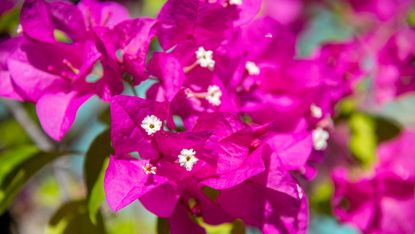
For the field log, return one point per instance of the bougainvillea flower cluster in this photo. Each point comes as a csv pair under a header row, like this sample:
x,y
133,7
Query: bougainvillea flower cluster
x,y
384,201
233,118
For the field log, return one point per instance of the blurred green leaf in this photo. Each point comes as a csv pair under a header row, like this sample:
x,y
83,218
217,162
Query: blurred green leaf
x,y
61,36
48,193
73,217
152,7
95,164
238,227
99,150
363,140
17,167
97,195
105,116
9,21
12,134
320,197
411,17
386,129
162,226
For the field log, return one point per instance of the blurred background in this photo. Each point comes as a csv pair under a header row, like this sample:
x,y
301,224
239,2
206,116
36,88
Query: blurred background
x,y
54,198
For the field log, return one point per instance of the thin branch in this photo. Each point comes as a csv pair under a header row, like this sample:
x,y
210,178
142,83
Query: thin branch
x,y
35,133
40,139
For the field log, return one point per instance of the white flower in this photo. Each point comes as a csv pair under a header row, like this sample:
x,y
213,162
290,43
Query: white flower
x,y
316,111
213,95
320,137
235,2
268,35
187,158
149,169
151,124
19,29
205,58
252,68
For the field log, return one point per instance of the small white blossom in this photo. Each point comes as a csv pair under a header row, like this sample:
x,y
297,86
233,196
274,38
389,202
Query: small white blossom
x,y
187,158
268,35
252,68
320,137
151,124
205,58
235,2
316,111
149,169
19,29
213,95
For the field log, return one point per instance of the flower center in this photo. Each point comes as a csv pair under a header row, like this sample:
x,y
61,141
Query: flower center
x,y
320,137
213,95
151,124
187,158
205,58
235,2
149,169
252,68
316,111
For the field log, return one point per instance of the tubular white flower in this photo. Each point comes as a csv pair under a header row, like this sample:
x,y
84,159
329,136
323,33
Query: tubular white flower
x,y
19,29
320,137
213,95
149,169
187,158
235,2
252,68
151,124
205,58
316,111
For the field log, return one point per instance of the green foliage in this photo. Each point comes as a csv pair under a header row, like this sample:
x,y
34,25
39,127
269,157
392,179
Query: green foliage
x,y
61,36
72,217
17,167
48,193
363,140
151,7
162,226
95,164
320,196
9,21
12,134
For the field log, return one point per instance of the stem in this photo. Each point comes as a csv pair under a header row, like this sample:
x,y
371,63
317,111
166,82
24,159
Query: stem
x,y
133,89
40,139
37,136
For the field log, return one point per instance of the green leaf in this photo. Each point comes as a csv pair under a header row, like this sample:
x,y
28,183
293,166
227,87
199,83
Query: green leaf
x,y
12,134
162,226
320,196
73,217
99,150
17,167
363,140
9,21
95,164
386,129
97,195
238,227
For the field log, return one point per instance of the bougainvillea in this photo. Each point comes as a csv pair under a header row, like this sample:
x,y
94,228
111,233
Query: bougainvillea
x,y
234,123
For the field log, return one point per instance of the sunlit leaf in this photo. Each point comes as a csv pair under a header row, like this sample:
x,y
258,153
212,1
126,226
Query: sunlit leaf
x,y
320,196
48,193
16,172
73,217
96,162
12,134
363,140
97,195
